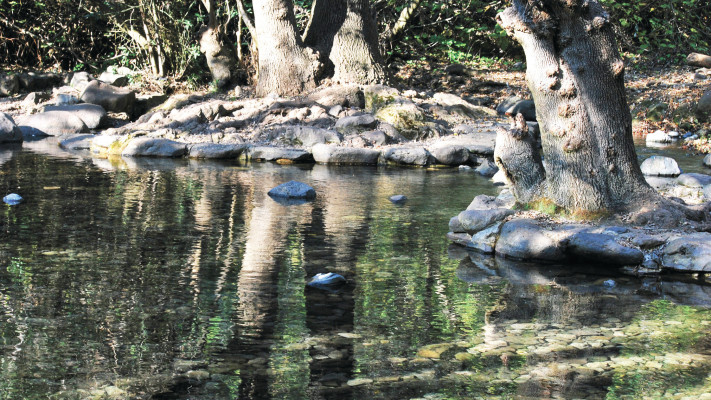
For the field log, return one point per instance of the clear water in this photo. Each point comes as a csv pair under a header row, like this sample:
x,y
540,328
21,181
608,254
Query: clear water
x,y
184,280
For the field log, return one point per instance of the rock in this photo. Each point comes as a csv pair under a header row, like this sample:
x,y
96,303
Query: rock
x,y
707,160
92,115
699,60
660,166
407,155
655,112
434,350
456,104
9,85
269,153
12,199
32,81
487,168
524,240
516,105
455,69
308,136
694,180
703,107
9,132
378,96
484,241
117,80
644,241
76,141
52,123
326,280
691,253
80,80
484,202
65,99
335,111
110,97
406,117
601,248
450,154
215,150
659,137
154,147
472,221
292,193
356,121
344,96
332,154
376,138
35,98
145,102
398,199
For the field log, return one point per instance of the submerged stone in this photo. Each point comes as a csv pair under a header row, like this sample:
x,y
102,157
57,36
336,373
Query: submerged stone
x,y
12,199
398,199
293,190
327,280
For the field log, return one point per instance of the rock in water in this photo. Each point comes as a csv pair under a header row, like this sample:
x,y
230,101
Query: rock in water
x,y
398,199
326,281
660,166
12,199
293,192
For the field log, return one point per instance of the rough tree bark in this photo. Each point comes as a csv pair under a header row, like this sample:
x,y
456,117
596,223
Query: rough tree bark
x,y
220,59
285,65
576,77
345,33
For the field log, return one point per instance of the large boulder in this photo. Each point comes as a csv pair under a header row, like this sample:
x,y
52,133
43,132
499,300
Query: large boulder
x,y
703,107
269,153
406,117
345,96
407,155
456,104
524,240
660,166
93,115
110,97
694,180
51,123
516,105
293,190
9,85
117,80
332,154
78,141
473,221
690,253
699,60
154,147
450,154
9,132
80,80
601,248
308,136
356,121
659,137
215,150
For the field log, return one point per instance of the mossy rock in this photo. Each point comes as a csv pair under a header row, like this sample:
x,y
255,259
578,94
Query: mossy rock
x,y
434,350
379,96
407,118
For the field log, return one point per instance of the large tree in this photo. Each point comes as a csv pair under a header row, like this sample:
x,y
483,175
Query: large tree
x,y
575,74
220,58
345,33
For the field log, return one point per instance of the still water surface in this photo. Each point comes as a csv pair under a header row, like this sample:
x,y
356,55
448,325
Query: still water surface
x,y
184,280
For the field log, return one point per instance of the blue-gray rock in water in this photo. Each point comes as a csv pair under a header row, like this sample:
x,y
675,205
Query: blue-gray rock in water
x,y
12,199
601,248
327,281
691,253
398,199
660,166
293,190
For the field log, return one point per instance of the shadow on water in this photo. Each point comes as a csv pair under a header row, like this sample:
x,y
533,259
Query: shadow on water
x,y
176,279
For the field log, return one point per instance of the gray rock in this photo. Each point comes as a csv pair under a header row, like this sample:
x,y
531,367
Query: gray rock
x,y
694,180
524,240
455,69
376,138
145,102
32,81
335,111
92,115
408,118
703,107
516,105
154,147
455,226
690,253
308,136
215,150
644,241
473,221
398,199
707,192
332,154
293,190
9,132
80,80
600,248
707,160
117,80
76,141
484,202
484,241
455,104
35,98
487,168
357,121
269,153
345,96
660,166
450,154
110,97
9,85
659,137
407,155
699,60
65,99
52,123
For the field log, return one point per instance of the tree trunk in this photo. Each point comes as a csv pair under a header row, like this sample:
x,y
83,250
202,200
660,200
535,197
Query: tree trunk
x,y
576,77
220,59
517,155
286,66
345,32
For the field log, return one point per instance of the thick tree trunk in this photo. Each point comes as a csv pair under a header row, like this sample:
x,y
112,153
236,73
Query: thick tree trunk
x,y
576,77
517,155
345,32
286,66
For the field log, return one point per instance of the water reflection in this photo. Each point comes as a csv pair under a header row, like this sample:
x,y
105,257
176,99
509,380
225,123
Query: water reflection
x,y
146,278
